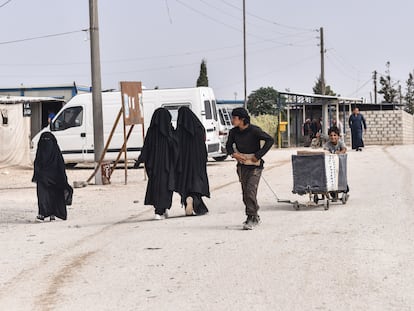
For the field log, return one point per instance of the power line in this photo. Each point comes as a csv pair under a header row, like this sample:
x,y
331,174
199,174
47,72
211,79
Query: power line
x,y
43,37
227,25
299,43
237,17
207,16
361,87
339,69
270,21
288,66
5,3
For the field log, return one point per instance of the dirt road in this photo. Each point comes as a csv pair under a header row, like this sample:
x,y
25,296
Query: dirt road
x,y
110,255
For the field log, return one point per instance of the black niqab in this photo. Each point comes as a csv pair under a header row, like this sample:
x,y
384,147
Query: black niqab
x,y
159,154
50,176
192,164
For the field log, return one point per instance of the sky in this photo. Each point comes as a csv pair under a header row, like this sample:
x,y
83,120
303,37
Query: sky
x,y
162,43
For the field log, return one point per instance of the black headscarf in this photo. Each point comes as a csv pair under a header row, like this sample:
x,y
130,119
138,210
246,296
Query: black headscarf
x,y
192,164
159,154
49,166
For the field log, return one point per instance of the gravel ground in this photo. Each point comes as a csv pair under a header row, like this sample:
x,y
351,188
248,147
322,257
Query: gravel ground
x,y
111,255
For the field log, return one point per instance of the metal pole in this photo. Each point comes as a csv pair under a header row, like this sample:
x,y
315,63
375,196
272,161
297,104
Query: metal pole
x,y
375,87
98,139
322,62
244,53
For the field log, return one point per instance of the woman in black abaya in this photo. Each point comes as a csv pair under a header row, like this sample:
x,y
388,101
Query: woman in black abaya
x,y
192,181
51,179
159,154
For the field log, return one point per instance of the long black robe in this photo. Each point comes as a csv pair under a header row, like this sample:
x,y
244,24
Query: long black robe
x,y
50,176
357,123
192,179
159,154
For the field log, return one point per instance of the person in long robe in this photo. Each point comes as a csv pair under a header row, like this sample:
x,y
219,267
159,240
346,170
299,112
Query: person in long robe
x,y
50,177
159,153
192,180
358,125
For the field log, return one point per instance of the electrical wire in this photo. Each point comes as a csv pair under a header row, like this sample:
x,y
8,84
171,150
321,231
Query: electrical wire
x,y
168,11
227,25
207,16
269,21
344,73
238,18
5,3
252,77
145,58
360,88
43,37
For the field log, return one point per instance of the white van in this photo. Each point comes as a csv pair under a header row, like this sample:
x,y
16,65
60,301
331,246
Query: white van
x,y
73,124
73,129
200,100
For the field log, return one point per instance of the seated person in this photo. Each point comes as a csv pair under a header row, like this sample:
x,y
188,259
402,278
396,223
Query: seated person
x,y
335,144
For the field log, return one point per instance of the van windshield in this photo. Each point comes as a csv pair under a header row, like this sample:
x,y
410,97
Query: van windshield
x,y
70,117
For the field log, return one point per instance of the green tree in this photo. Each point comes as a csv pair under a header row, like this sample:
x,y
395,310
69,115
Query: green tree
x,y
317,89
409,96
387,90
202,78
263,101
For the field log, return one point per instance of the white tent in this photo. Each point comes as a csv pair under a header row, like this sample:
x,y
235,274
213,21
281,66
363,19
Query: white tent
x,y
15,129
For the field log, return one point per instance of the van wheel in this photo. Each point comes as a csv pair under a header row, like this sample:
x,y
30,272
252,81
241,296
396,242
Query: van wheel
x,y
70,165
220,158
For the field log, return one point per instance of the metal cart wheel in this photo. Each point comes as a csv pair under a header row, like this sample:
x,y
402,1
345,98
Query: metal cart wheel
x,y
296,205
344,198
315,198
327,205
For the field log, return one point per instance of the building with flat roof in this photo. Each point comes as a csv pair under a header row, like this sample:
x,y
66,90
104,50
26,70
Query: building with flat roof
x,y
60,91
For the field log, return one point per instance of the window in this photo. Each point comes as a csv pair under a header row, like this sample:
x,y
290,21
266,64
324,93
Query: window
x,y
207,109
71,117
214,109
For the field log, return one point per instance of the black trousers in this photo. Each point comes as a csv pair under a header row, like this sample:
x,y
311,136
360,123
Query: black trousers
x,y
249,178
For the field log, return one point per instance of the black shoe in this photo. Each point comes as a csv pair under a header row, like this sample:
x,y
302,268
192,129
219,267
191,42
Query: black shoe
x,y
40,218
52,218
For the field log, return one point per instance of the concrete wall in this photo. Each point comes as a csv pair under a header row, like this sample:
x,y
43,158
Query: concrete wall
x,y
388,127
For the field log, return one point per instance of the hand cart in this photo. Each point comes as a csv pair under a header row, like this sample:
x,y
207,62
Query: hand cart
x,y
321,176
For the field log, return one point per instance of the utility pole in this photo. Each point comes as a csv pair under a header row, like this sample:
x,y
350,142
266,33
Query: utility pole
x,y
244,53
322,62
375,86
98,139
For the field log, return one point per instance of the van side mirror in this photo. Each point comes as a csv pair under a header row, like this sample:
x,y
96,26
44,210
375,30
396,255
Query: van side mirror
x,y
52,126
